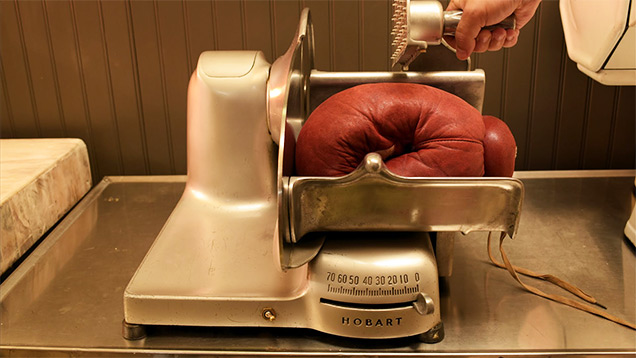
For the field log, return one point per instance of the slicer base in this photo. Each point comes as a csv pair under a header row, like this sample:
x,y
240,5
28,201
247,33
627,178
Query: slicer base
x,y
434,335
361,285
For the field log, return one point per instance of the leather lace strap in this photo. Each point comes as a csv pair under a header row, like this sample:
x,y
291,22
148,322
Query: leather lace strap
x,y
514,270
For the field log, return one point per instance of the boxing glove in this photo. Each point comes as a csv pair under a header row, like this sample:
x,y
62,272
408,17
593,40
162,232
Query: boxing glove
x,y
500,148
419,131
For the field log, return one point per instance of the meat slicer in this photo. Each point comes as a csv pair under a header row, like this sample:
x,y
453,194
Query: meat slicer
x,y
251,245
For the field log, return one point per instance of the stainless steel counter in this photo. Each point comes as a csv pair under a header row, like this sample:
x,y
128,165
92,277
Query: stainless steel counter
x,y
66,297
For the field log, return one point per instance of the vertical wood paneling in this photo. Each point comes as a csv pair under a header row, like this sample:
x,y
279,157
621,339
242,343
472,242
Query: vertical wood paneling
x,y
200,29
546,88
285,22
115,74
346,35
229,25
321,18
599,123
6,120
516,109
623,150
572,116
151,82
176,75
96,86
375,35
64,44
493,64
44,80
124,90
15,71
258,28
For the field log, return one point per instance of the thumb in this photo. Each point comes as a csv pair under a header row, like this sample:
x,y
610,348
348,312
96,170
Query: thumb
x,y
466,32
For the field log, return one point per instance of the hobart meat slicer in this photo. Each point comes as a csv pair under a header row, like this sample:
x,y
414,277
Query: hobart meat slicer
x,y
251,245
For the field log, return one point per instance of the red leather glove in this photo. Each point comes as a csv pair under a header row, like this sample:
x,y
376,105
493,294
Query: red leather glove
x,y
500,149
420,131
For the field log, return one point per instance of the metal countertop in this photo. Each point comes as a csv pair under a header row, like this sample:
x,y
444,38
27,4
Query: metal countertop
x,y
66,297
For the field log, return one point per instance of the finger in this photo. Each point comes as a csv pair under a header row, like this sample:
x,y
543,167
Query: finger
x,y
526,11
450,40
512,37
467,31
465,39
453,6
483,41
497,40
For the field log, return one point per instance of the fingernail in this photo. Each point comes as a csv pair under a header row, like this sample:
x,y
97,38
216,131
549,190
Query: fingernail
x,y
510,38
461,54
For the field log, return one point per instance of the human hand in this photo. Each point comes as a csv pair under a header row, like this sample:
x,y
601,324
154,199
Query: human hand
x,y
471,37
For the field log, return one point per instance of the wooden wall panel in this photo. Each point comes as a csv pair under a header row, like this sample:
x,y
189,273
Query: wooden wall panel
x,y
44,79
549,56
115,74
16,75
375,53
175,74
623,141
200,29
72,94
517,96
6,125
494,64
575,91
284,19
229,19
258,28
345,36
126,102
152,87
97,85
601,114
321,19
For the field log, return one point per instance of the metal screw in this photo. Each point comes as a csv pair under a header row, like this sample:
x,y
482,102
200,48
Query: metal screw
x,y
424,304
268,314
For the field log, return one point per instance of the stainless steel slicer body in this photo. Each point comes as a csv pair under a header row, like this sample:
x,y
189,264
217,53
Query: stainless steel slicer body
x,y
251,245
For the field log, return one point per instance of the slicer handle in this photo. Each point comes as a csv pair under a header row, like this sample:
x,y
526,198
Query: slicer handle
x,y
452,18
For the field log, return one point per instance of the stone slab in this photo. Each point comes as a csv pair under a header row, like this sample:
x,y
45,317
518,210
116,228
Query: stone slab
x,y
40,181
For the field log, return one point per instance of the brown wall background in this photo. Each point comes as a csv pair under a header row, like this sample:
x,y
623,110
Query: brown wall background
x,y
115,73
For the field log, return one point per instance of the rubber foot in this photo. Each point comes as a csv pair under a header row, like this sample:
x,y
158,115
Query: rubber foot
x,y
133,332
433,335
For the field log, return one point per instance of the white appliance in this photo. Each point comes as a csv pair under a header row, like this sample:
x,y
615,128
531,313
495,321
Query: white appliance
x,y
601,38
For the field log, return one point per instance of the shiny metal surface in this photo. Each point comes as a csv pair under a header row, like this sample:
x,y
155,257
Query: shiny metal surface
x,y
65,299
219,245
452,18
416,24
217,260
287,108
371,260
223,249
288,79
467,85
372,198
290,87
425,21
366,285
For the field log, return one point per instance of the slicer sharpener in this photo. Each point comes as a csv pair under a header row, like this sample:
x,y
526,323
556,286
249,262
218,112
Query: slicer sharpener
x,y
251,245
416,24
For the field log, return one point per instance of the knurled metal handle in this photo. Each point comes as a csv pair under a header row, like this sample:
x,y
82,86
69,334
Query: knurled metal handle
x,y
452,18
